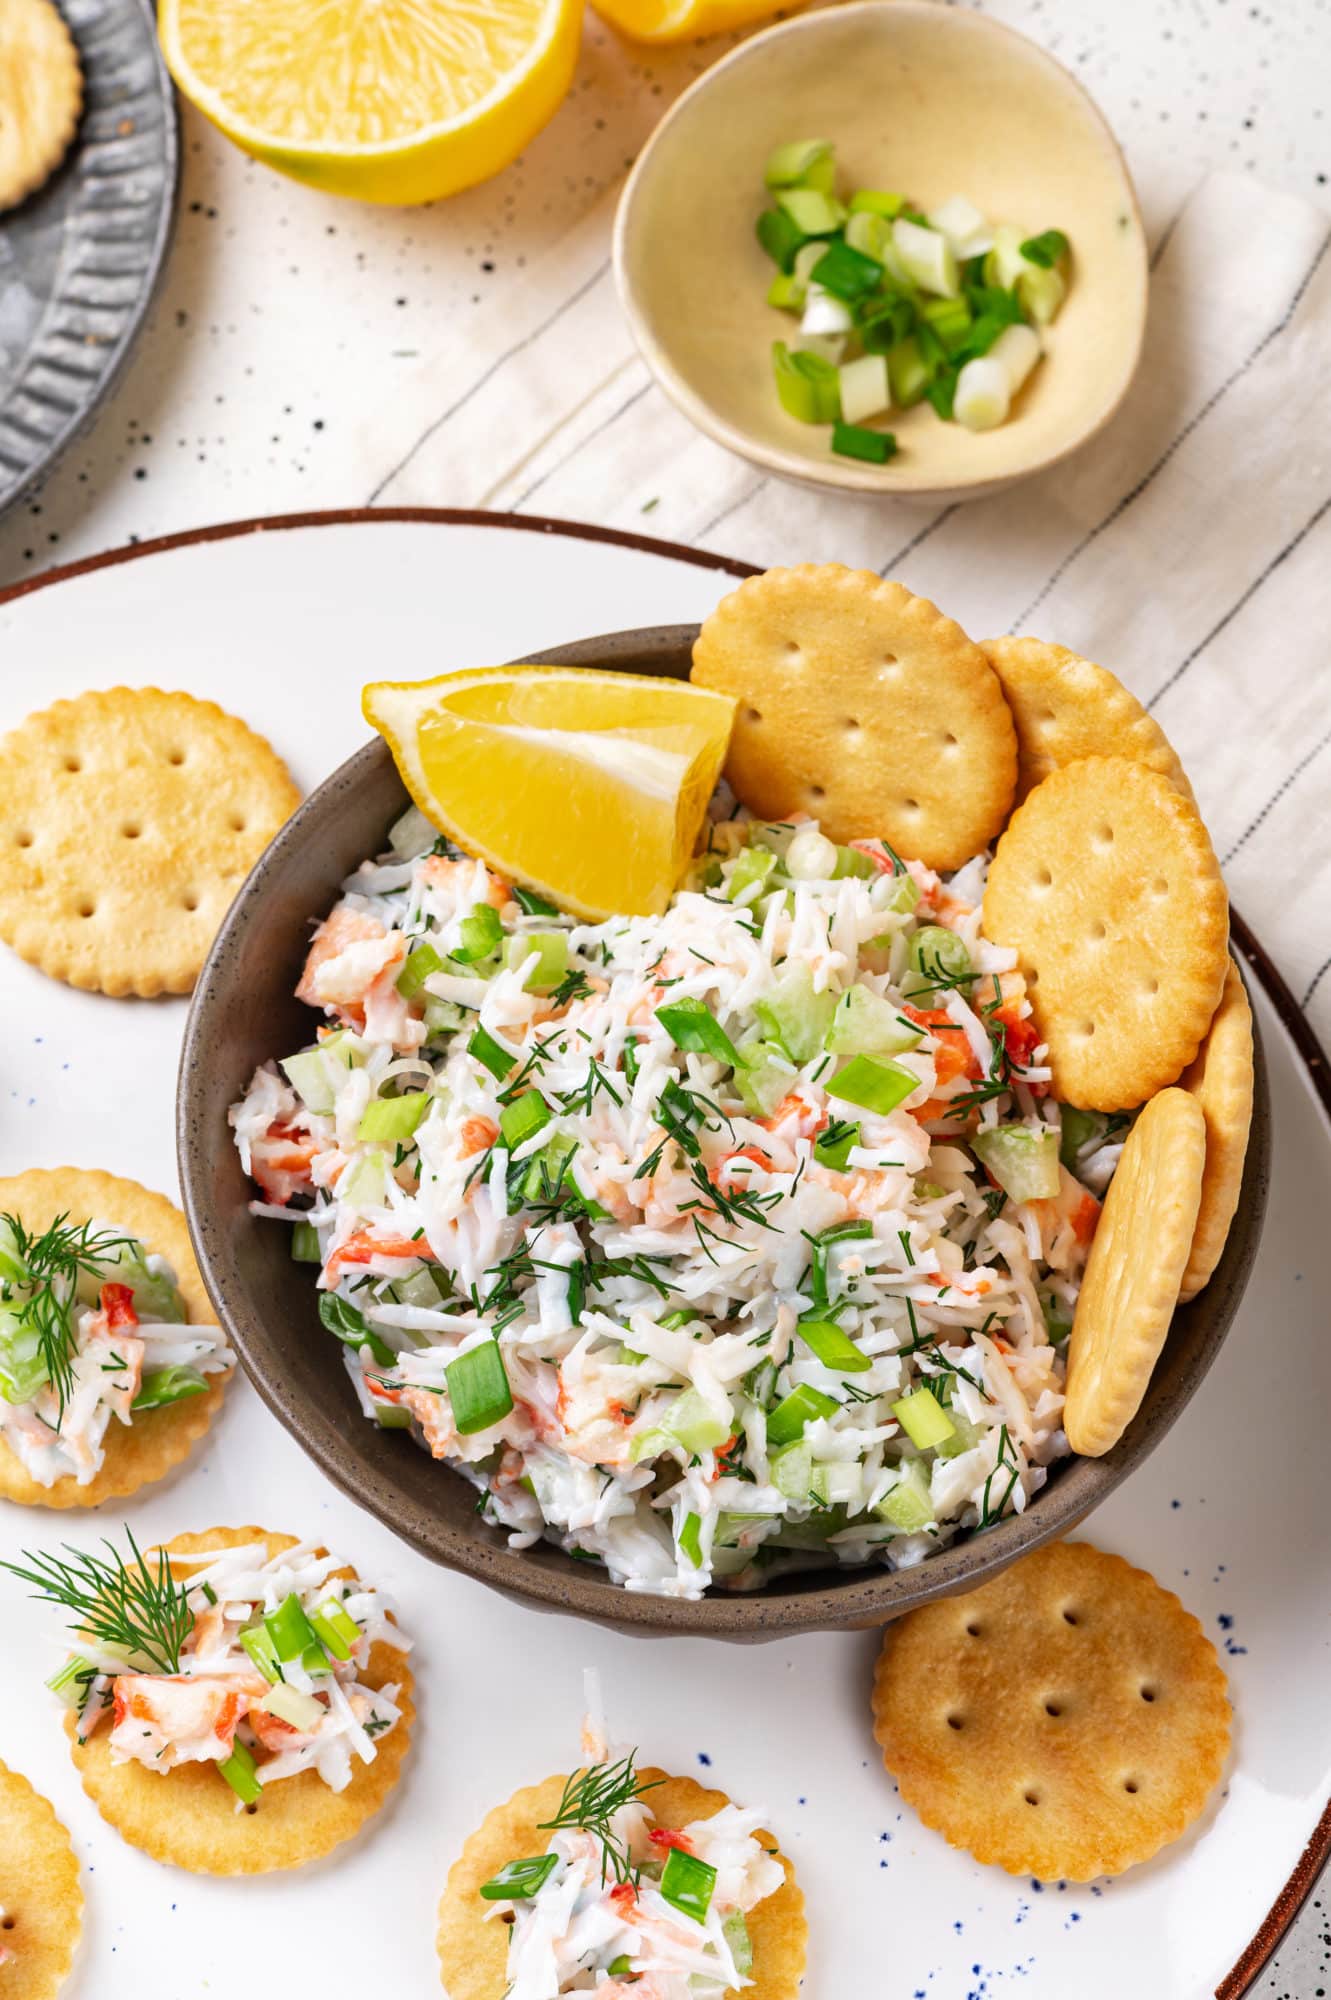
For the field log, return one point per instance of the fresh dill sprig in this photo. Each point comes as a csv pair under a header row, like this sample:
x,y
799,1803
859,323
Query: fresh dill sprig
x,y
590,1801
136,1607
51,1263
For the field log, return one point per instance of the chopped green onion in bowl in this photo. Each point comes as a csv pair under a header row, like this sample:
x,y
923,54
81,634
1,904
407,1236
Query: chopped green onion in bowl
x,y
898,307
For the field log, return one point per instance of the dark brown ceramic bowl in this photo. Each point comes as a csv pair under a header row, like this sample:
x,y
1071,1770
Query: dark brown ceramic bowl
x,y
244,1012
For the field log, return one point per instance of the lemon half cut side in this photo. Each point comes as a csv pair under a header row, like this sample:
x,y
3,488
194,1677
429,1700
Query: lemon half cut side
x,y
590,787
392,101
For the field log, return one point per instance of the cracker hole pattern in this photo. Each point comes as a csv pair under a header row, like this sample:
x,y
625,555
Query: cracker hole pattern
x,y
1054,1709
131,830
73,763
1031,1798
974,1631
1131,1785
190,900
87,908
956,1722
1147,1693
176,756
23,838
750,715
1070,1616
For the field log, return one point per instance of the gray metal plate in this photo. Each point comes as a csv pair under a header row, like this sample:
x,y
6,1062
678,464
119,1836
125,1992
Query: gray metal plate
x,y
79,259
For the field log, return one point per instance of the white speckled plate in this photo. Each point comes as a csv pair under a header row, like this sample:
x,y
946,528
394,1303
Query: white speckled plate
x,y
79,260
1231,1511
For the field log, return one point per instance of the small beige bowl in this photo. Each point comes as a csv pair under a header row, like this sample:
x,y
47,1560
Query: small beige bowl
x,y
926,100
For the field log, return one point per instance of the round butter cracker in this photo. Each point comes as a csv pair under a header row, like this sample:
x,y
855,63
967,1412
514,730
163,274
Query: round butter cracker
x,y
128,820
1066,1720
1066,708
1106,885
1131,1285
1221,1080
473,1952
157,1440
189,1817
40,1894
41,96
864,707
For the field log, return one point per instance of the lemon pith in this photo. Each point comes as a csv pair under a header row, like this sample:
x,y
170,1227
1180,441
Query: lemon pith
x,y
589,787
393,101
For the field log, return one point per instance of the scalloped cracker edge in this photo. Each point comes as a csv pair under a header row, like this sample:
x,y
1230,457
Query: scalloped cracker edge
x,y
40,1892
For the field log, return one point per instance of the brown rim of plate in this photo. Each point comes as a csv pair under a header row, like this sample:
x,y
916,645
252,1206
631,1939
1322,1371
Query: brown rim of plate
x,y
1317,1852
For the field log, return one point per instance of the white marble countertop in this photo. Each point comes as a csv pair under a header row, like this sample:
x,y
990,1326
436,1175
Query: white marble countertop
x,y
285,316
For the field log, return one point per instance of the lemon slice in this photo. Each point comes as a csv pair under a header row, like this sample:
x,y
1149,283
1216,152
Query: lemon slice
x,y
387,100
591,787
681,20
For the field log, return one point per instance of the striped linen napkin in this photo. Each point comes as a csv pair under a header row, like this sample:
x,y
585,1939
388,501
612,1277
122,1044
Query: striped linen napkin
x,y
1188,547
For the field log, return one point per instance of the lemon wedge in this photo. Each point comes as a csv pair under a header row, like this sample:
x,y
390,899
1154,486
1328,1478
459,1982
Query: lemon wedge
x,y
386,100
590,787
681,20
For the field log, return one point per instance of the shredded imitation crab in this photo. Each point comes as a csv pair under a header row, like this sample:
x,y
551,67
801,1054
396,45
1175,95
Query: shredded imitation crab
x,y
707,1244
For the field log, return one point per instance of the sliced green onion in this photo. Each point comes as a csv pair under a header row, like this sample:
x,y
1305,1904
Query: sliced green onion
x,y
289,1705
787,292
876,201
1057,1322
687,1883
1046,249
794,1015
907,372
335,1628
692,1026
864,393
1023,1159
390,1118
391,1416
488,1052
982,397
801,163
923,1418
847,274
837,1483
927,256
873,1085
70,1682
832,1147
421,961
290,1630
752,864
812,212
241,1773
690,1422
479,934
853,862
791,1470
735,1931
478,1388
690,1539
1079,1128
835,1349
854,441
523,1118
533,905
938,956
786,1423
350,1325
1041,293
806,384
867,1025
519,1880
163,1386
305,1244
841,1232
966,1436
779,236
258,1643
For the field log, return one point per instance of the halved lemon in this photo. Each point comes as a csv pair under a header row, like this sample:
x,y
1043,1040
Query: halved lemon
x,y
589,787
682,20
392,101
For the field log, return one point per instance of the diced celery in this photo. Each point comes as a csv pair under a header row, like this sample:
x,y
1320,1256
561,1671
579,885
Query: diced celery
x,y
551,948
22,1366
735,1931
904,896
908,1505
791,1470
364,1184
70,1682
732,1528
690,1422
163,1386
445,1017
392,1417
836,1483
422,961
258,1643
1057,1319
866,1025
690,1539
308,1074
835,1349
289,1705
966,1436
852,860
1023,1159
419,1288
763,1077
794,1015
923,1418
937,957
752,864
